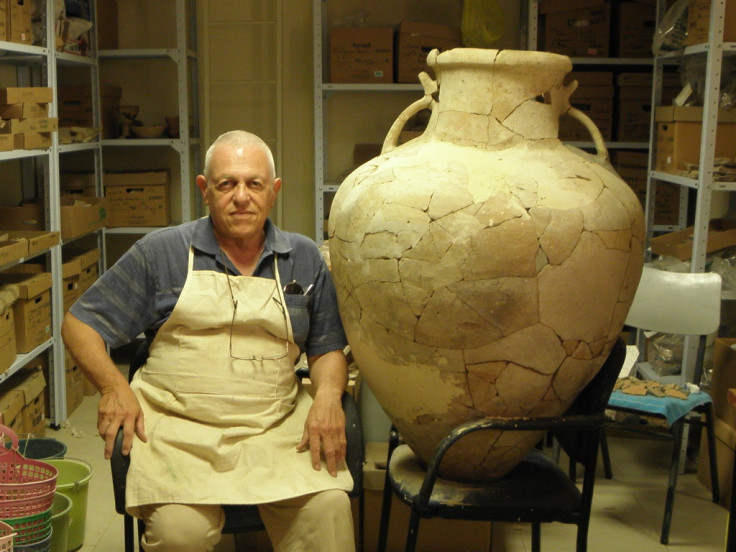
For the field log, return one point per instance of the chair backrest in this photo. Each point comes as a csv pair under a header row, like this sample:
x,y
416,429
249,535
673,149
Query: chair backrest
x,y
676,303
591,401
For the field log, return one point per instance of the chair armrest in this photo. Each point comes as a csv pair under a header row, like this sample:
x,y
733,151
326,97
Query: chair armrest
x,y
119,468
354,435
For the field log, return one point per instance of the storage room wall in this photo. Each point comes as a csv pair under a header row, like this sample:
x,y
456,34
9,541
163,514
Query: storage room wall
x,y
256,73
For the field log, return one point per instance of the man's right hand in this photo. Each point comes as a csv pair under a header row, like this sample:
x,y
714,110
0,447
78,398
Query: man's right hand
x,y
119,407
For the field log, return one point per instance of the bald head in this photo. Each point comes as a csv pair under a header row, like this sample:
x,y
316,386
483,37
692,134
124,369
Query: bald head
x,y
237,139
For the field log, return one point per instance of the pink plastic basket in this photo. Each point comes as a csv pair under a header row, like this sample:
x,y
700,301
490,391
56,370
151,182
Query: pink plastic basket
x,y
22,478
6,537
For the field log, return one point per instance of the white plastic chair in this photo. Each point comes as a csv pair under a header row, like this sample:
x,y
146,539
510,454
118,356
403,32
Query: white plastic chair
x,y
686,304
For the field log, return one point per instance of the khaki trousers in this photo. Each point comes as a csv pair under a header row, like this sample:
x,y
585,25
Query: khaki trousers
x,y
320,522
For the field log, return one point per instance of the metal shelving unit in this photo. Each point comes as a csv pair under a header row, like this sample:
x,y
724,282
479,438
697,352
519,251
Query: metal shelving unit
x,y
184,56
714,51
40,66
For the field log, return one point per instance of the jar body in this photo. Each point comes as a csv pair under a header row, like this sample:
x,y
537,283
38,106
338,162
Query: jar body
x,y
483,279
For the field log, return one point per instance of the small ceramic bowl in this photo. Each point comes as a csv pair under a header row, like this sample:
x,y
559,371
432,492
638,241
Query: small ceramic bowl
x,y
152,131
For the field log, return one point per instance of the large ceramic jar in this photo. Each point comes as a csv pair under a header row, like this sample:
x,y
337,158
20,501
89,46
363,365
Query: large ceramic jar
x,y
484,268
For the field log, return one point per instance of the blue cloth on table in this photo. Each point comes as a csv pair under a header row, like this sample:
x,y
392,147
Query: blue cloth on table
x,y
670,408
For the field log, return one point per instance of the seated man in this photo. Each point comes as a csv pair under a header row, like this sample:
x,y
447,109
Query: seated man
x,y
216,415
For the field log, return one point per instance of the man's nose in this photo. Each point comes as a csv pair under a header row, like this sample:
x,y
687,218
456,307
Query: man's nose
x,y
241,192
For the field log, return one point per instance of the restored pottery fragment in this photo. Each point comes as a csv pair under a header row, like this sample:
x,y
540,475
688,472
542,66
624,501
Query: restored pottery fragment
x,y
484,268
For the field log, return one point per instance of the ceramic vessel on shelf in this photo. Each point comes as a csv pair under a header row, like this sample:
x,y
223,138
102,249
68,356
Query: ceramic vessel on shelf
x,y
484,268
148,131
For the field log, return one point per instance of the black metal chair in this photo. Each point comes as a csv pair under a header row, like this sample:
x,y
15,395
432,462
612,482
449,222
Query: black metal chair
x,y
245,518
537,490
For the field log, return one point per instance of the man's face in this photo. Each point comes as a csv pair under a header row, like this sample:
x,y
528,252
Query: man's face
x,y
240,191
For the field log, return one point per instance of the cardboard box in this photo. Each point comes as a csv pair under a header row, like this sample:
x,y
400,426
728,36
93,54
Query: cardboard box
x,y
19,21
75,108
414,40
12,250
137,198
32,124
636,26
31,383
11,409
27,216
725,443
74,383
723,378
721,234
581,32
632,167
435,534
36,94
698,22
79,183
81,215
8,351
89,270
38,240
32,309
107,24
362,54
24,110
678,136
7,142
3,21
634,103
32,140
594,97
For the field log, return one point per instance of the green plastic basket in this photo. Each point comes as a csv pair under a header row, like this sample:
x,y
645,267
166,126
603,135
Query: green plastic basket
x,y
31,529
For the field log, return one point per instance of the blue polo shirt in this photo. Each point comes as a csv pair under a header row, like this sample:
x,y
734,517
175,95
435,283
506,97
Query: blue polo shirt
x,y
140,291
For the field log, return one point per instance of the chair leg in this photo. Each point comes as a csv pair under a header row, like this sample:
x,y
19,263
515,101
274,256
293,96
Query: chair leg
x,y
678,428
128,533
361,521
413,532
710,432
385,515
536,536
607,469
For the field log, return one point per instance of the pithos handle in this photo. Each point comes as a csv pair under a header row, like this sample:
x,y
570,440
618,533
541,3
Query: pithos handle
x,y
392,137
600,144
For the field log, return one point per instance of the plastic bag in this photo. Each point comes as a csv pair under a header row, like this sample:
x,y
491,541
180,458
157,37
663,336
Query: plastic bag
x,y
692,72
482,23
672,30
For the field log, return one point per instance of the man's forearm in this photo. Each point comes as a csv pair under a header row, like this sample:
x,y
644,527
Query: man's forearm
x,y
329,372
90,353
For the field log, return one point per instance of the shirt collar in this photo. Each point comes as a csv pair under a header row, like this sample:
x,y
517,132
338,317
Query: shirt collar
x,y
204,239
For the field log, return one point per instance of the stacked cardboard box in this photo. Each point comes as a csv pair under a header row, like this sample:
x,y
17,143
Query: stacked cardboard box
x,y
387,54
698,22
32,309
634,103
580,28
138,198
17,21
88,260
678,137
11,409
414,40
594,97
723,378
80,215
8,351
25,123
75,108
632,167
30,383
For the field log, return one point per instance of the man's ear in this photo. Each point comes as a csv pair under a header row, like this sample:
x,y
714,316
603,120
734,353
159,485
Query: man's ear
x,y
276,186
202,185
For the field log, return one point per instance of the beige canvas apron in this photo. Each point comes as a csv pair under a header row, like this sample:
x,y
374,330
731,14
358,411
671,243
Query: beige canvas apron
x,y
223,430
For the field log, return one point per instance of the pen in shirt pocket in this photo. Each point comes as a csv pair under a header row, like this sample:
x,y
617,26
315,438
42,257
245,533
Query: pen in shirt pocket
x,y
309,289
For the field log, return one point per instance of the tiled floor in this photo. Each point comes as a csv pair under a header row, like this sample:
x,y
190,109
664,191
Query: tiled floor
x,y
627,510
